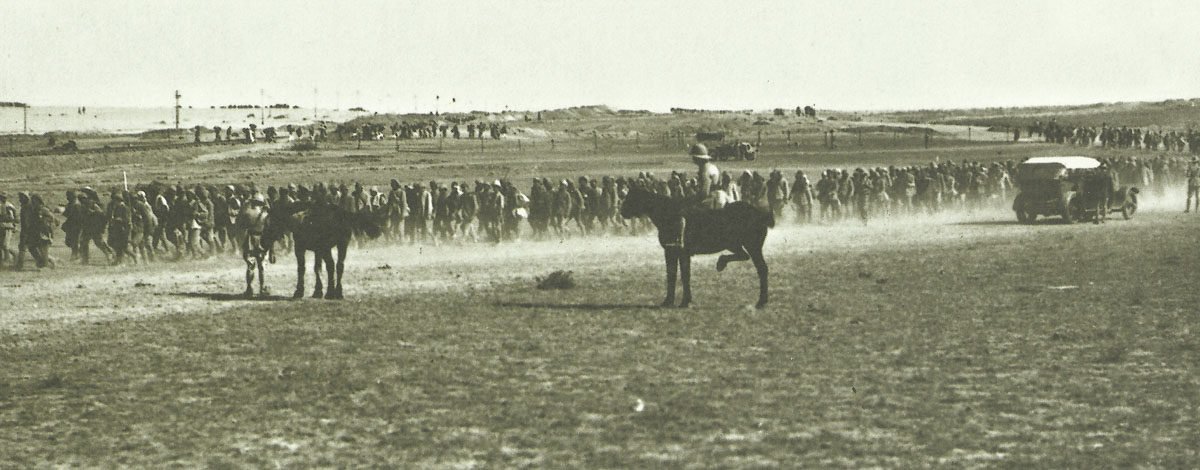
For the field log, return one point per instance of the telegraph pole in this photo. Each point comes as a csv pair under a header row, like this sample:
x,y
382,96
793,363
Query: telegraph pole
x,y
25,119
177,107
314,105
262,119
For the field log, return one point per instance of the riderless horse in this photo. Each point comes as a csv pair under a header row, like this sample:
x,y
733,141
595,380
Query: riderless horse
x,y
319,228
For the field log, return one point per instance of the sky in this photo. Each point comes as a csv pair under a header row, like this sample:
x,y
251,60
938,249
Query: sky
x,y
528,55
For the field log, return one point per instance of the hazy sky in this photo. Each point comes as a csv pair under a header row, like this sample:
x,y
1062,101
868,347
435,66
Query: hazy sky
x,y
392,55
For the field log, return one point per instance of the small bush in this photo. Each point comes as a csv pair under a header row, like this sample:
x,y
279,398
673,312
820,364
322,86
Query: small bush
x,y
303,145
556,280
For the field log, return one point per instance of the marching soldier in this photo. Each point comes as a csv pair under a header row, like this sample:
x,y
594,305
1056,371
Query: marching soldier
x,y
8,225
42,225
777,193
204,218
397,211
143,226
118,228
802,198
72,224
250,224
492,211
94,223
1193,186
827,194
861,191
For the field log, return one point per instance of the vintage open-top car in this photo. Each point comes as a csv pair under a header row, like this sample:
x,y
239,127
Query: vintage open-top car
x,y
1066,187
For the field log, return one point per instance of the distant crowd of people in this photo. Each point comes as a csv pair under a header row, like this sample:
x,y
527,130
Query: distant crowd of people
x,y
396,130
1115,137
158,221
423,130
252,133
866,193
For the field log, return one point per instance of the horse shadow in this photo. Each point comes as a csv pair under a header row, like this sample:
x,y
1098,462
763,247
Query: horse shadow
x,y
578,306
226,297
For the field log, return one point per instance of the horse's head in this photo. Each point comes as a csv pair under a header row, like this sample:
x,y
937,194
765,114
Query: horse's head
x,y
637,202
278,225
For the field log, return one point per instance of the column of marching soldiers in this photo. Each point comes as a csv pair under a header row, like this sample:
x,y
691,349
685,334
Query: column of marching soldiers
x,y
1106,136
399,130
164,222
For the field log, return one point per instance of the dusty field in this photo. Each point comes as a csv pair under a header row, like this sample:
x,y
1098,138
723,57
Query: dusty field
x,y
961,341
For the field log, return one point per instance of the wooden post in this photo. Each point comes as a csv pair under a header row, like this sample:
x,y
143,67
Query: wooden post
x,y
25,120
595,141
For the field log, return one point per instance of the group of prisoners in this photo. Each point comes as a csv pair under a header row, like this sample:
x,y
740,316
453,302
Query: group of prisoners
x,y
1115,137
159,221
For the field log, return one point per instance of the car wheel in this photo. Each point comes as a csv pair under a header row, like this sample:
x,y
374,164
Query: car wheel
x,y
1070,213
1127,210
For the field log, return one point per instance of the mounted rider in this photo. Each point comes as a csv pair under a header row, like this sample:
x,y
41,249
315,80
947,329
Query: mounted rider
x,y
708,195
708,179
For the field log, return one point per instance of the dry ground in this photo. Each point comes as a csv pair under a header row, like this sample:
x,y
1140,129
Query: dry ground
x,y
961,341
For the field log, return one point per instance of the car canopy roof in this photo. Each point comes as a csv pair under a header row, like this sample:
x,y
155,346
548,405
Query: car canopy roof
x,y
1070,163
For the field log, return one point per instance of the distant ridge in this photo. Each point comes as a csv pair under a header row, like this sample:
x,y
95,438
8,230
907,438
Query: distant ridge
x,y
1175,113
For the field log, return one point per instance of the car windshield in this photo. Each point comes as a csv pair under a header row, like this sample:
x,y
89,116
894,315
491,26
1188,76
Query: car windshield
x,y
1042,171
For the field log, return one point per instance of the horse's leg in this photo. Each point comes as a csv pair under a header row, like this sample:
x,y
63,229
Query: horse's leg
x,y
330,286
685,276
760,265
262,289
343,250
672,264
318,288
335,272
300,267
739,254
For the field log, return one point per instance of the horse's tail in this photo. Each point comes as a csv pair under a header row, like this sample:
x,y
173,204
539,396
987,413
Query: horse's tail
x,y
365,221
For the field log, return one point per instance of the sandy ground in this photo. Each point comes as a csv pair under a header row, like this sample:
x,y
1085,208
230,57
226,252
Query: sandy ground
x,y
242,152
70,295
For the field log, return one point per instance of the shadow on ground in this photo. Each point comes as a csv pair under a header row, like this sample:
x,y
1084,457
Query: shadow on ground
x,y
225,297
576,306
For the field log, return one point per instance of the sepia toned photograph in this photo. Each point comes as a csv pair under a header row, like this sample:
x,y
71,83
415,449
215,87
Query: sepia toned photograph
x,y
599,234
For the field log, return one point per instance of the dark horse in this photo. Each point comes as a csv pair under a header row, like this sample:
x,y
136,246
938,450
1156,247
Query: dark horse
x,y
739,227
319,228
